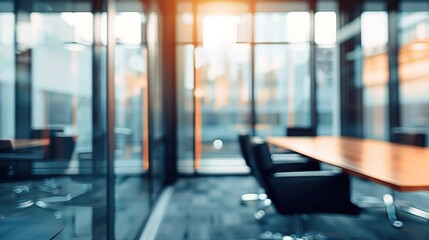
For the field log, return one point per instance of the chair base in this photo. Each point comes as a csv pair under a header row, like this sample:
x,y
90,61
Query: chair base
x,y
278,236
252,198
262,209
300,234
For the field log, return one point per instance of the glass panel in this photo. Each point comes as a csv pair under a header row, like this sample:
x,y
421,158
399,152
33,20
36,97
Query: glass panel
x,y
222,85
46,164
185,106
132,191
131,139
327,71
413,64
327,90
375,74
7,75
224,29
282,88
223,98
283,27
61,91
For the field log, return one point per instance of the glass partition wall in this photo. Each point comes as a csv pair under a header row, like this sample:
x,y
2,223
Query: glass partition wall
x,y
383,53
74,159
413,56
247,65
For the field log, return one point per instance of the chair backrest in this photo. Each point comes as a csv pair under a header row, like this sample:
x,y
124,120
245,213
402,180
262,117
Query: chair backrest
x,y
409,137
260,159
6,146
244,143
300,132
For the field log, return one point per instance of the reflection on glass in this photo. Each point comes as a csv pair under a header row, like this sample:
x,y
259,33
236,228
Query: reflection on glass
x,y
131,154
7,75
375,74
47,157
131,109
283,27
185,105
222,84
223,95
413,64
326,71
62,87
282,84
327,89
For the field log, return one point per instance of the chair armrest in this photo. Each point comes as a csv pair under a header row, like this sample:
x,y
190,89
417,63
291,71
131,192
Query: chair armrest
x,y
311,192
306,173
286,156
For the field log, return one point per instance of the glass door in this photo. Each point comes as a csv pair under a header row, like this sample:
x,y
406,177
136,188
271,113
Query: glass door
x,y
222,84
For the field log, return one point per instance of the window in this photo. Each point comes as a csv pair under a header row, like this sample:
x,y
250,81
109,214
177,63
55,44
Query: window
x,y
282,67
413,61
375,74
7,75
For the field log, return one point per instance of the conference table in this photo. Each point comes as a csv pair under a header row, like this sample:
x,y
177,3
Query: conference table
x,y
397,166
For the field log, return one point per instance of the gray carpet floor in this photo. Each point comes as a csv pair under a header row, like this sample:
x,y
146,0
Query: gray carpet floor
x,y
208,208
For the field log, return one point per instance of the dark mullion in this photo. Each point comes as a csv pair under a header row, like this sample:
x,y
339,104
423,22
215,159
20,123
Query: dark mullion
x,y
313,82
169,79
253,119
195,44
393,85
111,12
23,76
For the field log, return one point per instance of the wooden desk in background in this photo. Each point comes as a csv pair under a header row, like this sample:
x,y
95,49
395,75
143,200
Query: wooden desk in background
x,y
400,167
29,143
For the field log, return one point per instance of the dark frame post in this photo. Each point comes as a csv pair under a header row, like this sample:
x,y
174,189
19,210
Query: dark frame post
x,y
393,85
313,82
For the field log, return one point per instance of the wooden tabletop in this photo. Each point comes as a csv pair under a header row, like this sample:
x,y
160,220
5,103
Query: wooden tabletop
x,y
401,167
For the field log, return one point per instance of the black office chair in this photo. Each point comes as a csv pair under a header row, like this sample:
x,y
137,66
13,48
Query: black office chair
x,y
293,164
301,192
409,137
289,164
300,132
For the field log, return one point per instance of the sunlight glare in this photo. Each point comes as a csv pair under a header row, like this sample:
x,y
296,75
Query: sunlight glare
x,y
219,30
374,29
298,26
187,18
325,28
128,27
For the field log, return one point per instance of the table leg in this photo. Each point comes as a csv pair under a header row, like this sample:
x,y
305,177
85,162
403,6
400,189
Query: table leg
x,y
414,211
391,210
